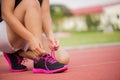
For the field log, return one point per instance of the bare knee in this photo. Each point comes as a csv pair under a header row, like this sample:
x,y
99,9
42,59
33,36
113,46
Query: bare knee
x,y
31,4
62,56
23,6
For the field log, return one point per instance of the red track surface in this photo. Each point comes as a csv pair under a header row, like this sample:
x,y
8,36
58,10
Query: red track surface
x,y
86,64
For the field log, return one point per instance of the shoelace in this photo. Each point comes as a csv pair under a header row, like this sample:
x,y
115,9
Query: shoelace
x,y
51,58
53,53
21,60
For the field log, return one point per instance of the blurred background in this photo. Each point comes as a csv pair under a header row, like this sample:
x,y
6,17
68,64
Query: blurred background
x,y
86,22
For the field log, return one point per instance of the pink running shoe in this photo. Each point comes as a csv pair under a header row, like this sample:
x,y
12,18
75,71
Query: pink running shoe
x,y
15,61
47,64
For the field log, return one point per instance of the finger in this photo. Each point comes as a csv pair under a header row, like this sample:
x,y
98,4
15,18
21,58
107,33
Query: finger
x,y
41,45
41,51
57,45
36,51
53,44
36,54
32,55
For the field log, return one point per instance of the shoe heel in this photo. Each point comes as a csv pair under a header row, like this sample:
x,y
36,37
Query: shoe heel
x,y
10,64
8,60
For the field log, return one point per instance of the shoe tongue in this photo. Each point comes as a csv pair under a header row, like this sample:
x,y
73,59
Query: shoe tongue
x,y
46,55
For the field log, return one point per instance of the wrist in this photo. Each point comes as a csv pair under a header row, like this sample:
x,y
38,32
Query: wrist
x,y
50,34
30,38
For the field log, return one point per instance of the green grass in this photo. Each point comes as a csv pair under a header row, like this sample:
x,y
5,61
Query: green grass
x,y
86,38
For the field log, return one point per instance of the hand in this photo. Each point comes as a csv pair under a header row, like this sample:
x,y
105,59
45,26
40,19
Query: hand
x,y
53,42
36,47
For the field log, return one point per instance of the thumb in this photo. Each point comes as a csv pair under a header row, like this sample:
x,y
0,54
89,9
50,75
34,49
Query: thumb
x,y
53,44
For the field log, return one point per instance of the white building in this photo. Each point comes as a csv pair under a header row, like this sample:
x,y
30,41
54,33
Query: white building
x,y
111,16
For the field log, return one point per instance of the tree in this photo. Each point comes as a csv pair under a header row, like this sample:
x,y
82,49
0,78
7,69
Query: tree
x,y
92,22
57,13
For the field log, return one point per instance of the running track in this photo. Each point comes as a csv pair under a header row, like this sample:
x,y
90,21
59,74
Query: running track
x,y
101,63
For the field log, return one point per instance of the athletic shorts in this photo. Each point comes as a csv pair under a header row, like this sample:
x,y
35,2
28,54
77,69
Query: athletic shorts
x,y
5,45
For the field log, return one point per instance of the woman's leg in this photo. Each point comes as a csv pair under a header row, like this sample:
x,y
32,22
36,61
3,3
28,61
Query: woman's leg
x,y
34,25
30,16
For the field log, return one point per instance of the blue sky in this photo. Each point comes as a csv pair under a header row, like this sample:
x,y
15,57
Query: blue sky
x,y
74,4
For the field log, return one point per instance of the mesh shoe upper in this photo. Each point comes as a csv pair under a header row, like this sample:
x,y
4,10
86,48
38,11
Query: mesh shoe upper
x,y
15,61
47,62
